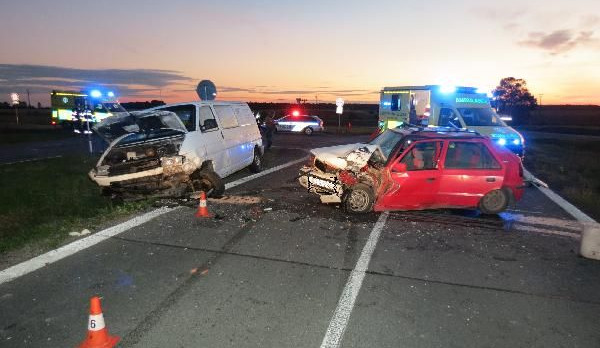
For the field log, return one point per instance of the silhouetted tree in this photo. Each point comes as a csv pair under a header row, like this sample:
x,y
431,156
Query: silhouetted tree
x,y
512,97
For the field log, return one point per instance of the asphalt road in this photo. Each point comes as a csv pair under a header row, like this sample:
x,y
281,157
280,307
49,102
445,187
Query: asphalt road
x,y
271,274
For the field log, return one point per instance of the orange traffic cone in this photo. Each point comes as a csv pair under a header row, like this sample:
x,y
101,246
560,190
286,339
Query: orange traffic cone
x,y
97,336
202,209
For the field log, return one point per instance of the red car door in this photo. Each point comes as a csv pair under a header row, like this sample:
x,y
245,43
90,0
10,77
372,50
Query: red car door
x,y
469,170
413,178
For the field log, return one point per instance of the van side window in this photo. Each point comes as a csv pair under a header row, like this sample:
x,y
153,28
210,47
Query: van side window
x,y
448,118
468,155
187,115
226,116
244,116
207,119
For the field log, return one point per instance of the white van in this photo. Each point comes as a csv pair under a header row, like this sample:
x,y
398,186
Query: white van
x,y
172,149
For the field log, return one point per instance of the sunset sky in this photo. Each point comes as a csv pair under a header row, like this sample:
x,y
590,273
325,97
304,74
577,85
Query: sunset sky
x,y
280,50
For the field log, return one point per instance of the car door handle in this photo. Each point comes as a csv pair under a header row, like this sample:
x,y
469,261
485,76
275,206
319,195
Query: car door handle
x,y
430,179
490,179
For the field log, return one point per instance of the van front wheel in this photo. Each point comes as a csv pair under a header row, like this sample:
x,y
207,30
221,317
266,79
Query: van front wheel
x,y
209,182
257,162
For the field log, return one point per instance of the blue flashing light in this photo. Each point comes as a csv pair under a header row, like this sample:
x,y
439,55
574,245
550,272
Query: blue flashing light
x,y
501,141
110,94
516,141
387,103
95,93
448,89
481,90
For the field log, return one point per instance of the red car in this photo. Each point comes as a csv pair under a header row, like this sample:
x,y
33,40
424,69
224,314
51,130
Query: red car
x,y
410,168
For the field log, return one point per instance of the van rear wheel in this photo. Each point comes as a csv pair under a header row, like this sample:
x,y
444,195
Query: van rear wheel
x,y
308,131
494,202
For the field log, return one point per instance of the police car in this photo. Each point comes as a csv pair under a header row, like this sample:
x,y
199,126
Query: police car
x,y
299,124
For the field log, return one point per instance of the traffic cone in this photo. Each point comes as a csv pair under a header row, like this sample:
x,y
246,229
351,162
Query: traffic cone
x,y
97,336
202,209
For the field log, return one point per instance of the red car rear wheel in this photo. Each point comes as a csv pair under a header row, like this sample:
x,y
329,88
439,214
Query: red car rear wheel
x,y
494,202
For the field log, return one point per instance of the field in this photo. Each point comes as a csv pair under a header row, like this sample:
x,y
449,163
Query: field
x,y
45,200
570,167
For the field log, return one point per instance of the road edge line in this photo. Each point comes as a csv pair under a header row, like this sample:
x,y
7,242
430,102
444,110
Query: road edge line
x,y
341,316
52,256
264,172
561,202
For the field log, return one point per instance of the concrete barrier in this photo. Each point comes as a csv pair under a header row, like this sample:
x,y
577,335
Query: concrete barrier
x,y
590,240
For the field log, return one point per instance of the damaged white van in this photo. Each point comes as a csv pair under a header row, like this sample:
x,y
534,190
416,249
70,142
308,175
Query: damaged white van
x,y
174,149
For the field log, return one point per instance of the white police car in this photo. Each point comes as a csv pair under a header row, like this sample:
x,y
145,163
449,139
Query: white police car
x,y
299,124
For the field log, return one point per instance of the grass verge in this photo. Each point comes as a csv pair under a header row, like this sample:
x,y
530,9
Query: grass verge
x,y
44,201
16,136
570,167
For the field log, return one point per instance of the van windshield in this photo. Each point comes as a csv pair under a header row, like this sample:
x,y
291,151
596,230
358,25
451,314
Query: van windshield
x,y
480,117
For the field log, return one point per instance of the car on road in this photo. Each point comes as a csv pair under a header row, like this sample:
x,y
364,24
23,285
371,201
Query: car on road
x,y
416,168
299,124
172,149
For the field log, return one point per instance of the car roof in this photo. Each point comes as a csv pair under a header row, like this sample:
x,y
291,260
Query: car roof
x,y
313,116
438,133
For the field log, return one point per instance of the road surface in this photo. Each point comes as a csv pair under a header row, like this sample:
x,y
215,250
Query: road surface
x,y
290,272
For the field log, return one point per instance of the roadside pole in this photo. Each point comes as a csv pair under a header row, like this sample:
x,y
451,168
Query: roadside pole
x,y
339,102
14,97
88,115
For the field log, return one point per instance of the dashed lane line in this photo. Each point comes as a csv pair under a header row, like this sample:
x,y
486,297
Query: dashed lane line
x,y
339,321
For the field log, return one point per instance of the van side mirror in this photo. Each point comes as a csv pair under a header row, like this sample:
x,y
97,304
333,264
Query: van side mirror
x,y
399,167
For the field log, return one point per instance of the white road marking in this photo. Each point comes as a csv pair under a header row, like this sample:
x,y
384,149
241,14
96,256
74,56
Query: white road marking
x,y
339,321
263,173
30,160
543,220
81,244
568,207
70,249
546,231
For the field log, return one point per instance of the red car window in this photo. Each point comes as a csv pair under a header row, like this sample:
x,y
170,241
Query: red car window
x,y
422,156
469,155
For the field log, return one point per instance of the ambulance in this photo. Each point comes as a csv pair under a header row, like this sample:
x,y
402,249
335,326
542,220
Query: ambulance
x,y
95,103
446,106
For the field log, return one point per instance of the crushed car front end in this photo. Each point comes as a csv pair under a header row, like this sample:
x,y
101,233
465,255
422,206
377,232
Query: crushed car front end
x,y
333,171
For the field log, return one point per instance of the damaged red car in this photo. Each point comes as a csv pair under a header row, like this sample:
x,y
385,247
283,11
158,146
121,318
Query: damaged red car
x,y
416,168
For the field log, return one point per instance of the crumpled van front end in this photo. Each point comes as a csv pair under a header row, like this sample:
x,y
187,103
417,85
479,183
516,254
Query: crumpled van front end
x,y
144,155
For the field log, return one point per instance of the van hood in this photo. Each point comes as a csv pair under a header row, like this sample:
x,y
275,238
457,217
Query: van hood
x,y
350,156
154,124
